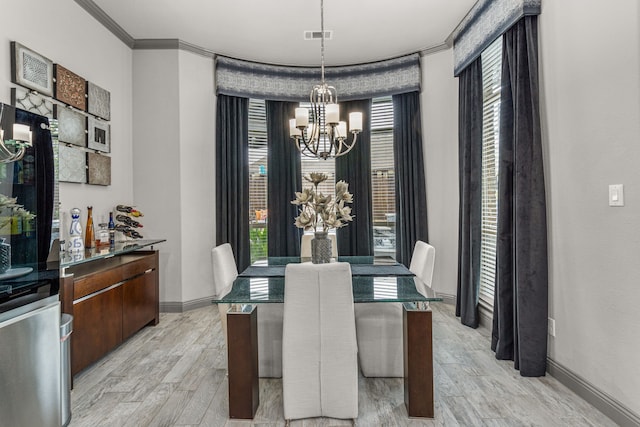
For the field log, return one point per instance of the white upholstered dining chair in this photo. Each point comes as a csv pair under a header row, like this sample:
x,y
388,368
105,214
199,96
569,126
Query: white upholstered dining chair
x,y
319,358
269,315
305,245
224,273
379,326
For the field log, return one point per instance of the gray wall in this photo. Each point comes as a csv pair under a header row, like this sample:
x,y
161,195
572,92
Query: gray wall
x,y
439,102
174,174
590,69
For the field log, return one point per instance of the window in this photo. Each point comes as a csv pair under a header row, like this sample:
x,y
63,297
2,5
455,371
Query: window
x,y
382,178
258,214
383,191
382,175
491,75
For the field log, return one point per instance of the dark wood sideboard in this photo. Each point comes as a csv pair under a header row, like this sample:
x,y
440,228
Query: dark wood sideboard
x,y
110,299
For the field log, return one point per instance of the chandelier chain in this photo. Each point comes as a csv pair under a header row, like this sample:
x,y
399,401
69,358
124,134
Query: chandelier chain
x,y
322,40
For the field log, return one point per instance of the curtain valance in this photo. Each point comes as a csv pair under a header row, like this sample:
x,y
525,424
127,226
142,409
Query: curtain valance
x,y
487,20
284,83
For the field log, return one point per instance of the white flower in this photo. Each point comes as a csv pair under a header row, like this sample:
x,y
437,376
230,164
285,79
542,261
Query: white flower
x,y
317,209
305,197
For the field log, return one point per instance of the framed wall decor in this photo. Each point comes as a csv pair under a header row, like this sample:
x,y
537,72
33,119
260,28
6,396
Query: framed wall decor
x,y
31,70
99,135
70,88
72,126
25,99
72,164
98,169
98,101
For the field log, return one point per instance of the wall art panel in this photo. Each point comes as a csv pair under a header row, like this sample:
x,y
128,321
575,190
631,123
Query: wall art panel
x,y
72,126
30,101
31,70
98,101
72,164
99,169
70,88
99,135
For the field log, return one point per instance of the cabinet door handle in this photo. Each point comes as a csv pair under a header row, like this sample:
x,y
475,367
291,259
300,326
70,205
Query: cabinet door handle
x,y
101,291
148,271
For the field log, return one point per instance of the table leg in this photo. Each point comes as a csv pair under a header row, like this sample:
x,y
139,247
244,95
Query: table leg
x,y
418,360
242,361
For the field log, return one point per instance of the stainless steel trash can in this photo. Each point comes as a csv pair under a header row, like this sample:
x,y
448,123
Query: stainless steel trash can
x,y
66,327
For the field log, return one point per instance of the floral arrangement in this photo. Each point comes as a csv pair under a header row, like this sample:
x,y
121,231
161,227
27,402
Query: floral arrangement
x,y
16,209
316,209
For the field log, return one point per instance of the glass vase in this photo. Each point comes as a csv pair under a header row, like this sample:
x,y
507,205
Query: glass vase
x,y
320,248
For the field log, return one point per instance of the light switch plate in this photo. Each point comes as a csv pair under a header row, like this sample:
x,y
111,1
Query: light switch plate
x,y
616,195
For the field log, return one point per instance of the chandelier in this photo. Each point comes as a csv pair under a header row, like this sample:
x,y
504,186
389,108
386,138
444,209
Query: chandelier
x,y
325,135
18,141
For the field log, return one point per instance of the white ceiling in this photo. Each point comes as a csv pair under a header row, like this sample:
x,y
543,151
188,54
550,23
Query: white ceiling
x,y
271,31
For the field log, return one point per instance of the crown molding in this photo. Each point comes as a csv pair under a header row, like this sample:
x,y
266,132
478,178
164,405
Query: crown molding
x,y
177,44
435,49
108,22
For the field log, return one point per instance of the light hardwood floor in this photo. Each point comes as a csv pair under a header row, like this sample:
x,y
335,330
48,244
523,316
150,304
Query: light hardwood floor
x,y
174,374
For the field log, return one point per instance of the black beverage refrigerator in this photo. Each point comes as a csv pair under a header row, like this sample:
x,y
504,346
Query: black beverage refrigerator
x,y
30,361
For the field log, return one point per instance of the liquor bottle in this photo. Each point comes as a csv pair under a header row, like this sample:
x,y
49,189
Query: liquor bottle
x,y
112,232
128,221
89,235
102,236
76,245
129,210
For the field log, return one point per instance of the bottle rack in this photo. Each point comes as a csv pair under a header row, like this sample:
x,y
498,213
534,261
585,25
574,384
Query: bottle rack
x,y
127,220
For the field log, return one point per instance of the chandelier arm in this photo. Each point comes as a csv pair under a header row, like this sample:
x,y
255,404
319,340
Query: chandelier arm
x,y
304,151
350,146
9,156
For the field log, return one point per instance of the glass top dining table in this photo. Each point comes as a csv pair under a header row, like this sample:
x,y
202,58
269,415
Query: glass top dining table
x,y
374,279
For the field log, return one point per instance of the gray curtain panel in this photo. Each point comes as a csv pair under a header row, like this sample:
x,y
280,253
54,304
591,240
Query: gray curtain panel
x,y
232,176
470,188
411,195
283,181
520,308
355,168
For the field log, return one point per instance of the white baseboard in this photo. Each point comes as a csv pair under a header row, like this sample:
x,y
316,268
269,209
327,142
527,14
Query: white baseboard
x,y
606,404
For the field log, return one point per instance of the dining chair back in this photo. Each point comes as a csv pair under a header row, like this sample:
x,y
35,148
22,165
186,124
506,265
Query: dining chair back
x,y
422,264
319,359
224,273
269,315
379,326
305,245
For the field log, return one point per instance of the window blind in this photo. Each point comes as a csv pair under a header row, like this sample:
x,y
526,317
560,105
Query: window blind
x,y
383,177
491,75
258,167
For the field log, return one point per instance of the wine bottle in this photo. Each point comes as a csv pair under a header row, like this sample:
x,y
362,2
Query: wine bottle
x,y
112,232
129,210
89,235
128,221
128,231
